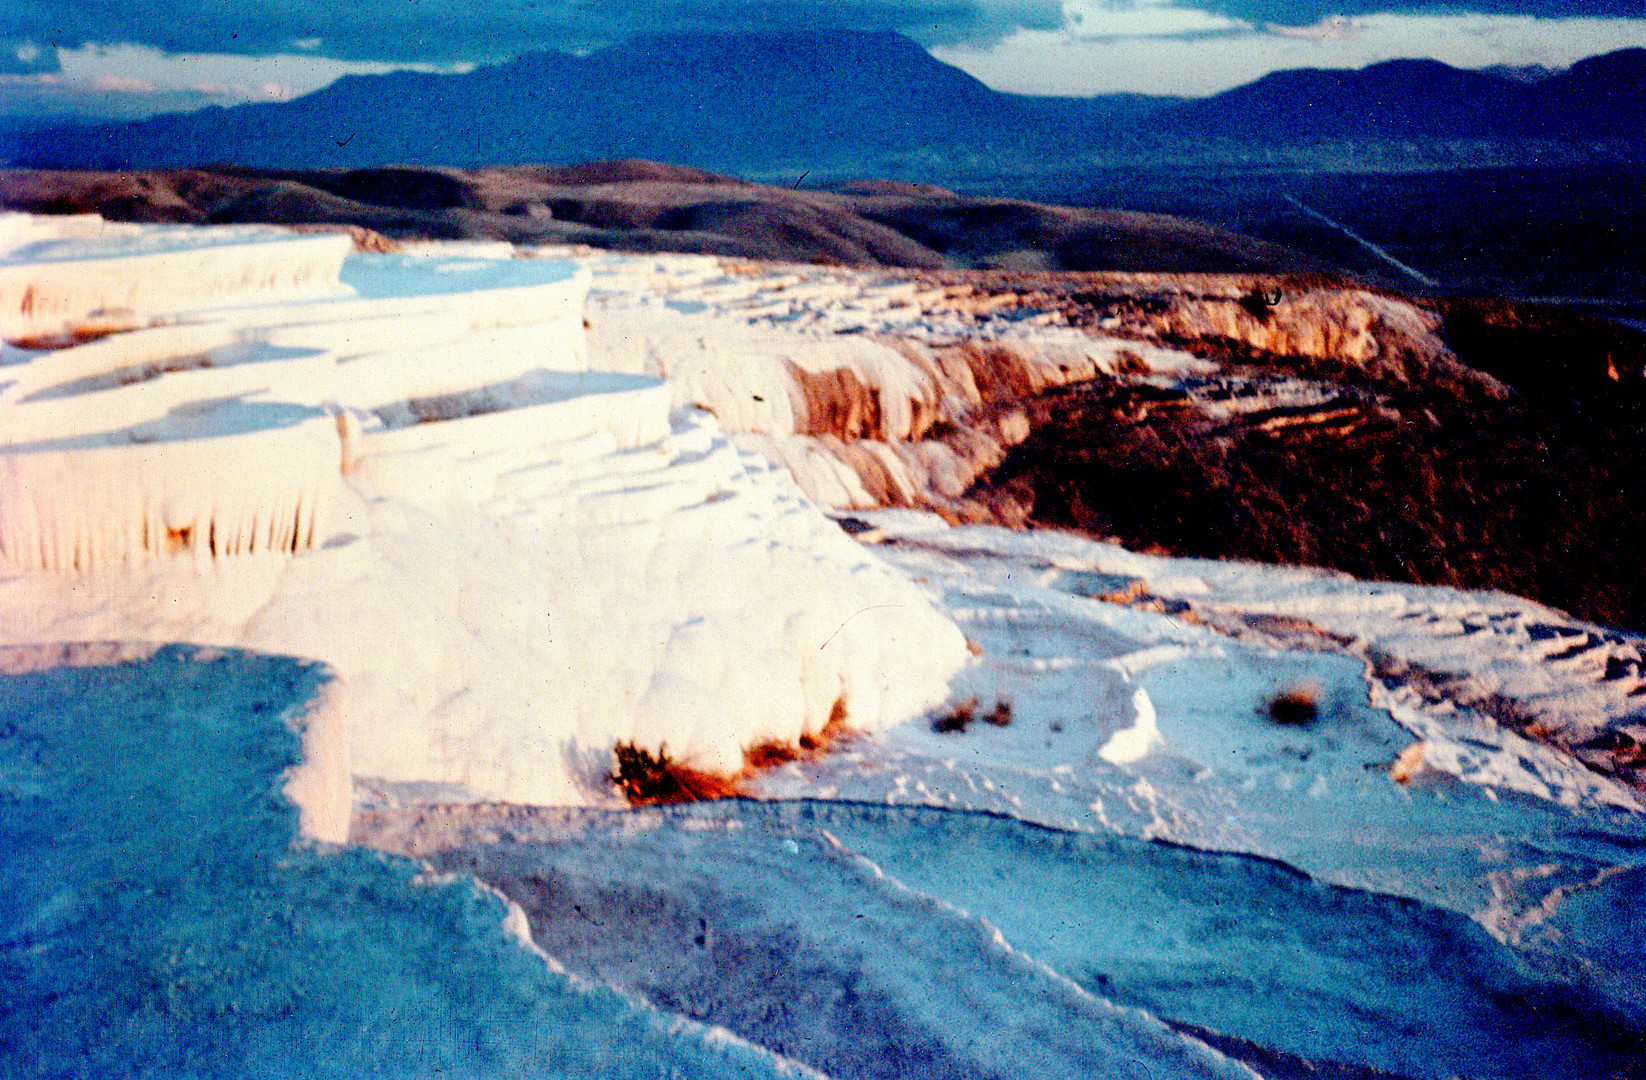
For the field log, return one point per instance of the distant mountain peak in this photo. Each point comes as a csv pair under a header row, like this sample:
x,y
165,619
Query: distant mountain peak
x,y
773,46
1521,73
1410,65
1625,68
838,100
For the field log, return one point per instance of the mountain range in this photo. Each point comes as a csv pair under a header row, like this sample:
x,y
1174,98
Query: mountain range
x,y
821,101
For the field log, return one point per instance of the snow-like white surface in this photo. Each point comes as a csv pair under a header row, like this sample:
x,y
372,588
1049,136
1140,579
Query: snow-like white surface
x,y
941,942
793,362
229,434
513,562
158,921
501,549
52,276
500,619
1515,834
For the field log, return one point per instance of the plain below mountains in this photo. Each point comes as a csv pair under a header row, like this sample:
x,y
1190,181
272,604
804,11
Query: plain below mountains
x,y
647,206
845,104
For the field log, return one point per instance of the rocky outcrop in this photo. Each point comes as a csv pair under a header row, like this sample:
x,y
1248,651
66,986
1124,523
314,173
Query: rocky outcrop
x,y
897,394
1451,478
1292,419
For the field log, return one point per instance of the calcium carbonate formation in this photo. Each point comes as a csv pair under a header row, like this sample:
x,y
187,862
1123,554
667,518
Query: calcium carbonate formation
x,y
401,464
219,420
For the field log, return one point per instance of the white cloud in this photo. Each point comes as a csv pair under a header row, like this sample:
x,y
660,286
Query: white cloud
x,y
121,84
1330,28
232,77
1078,63
129,81
1099,19
239,92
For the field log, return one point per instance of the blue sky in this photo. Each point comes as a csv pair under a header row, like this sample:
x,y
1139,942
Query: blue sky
x,y
132,57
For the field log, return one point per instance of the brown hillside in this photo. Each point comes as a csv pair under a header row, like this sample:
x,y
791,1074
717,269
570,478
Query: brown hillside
x,y
647,206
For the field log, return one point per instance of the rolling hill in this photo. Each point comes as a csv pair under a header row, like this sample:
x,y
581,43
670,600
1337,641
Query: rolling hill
x,y
648,206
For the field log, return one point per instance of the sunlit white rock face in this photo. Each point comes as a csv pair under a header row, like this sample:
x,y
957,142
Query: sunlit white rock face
x,y
872,392
877,389
53,271
402,465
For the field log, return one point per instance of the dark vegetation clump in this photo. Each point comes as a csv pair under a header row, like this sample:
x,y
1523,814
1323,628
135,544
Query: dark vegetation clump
x,y
1261,302
956,719
959,717
648,779
1551,353
66,339
771,754
1295,705
834,729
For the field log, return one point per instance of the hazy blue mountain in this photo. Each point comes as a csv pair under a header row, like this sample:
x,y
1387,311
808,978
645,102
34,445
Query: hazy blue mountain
x,y
1600,96
1426,99
1523,73
822,101
715,101
1396,99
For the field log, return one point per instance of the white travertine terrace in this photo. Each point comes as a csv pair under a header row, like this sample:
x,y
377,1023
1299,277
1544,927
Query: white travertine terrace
x,y
848,378
409,521
223,426
50,275
401,465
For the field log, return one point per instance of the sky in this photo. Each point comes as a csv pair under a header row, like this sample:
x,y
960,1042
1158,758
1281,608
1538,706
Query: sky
x,y
129,58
